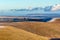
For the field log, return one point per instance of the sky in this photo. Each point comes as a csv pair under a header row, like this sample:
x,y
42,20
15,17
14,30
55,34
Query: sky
x,y
19,4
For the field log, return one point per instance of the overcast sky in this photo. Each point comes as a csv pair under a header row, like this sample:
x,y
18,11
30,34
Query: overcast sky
x,y
16,4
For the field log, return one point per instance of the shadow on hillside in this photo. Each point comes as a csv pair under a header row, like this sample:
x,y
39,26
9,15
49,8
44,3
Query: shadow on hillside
x,y
55,39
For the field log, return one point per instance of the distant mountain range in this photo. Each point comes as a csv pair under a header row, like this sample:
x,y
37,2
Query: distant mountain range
x,y
48,8
45,9
38,10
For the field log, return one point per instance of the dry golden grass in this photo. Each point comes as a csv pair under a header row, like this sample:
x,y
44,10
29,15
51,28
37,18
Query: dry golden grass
x,y
40,28
12,33
47,29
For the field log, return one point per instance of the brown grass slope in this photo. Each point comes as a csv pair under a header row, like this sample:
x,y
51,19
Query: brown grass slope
x,y
12,33
40,28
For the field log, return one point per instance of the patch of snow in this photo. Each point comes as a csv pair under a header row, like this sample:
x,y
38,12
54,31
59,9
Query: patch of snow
x,y
52,20
56,7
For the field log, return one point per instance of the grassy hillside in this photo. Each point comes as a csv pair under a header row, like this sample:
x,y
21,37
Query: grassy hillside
x,y
40,28
12,33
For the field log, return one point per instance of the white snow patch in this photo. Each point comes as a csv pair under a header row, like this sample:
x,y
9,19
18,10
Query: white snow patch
x,y
52,20
56,7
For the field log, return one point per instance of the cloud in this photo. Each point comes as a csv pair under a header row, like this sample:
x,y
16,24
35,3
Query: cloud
x,y
56,7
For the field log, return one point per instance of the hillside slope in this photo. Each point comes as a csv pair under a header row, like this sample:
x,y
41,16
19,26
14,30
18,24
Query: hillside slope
x,y
40,28
12,33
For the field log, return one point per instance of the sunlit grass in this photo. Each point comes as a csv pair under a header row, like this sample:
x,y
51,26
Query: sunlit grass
x,y
40,28
12,33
